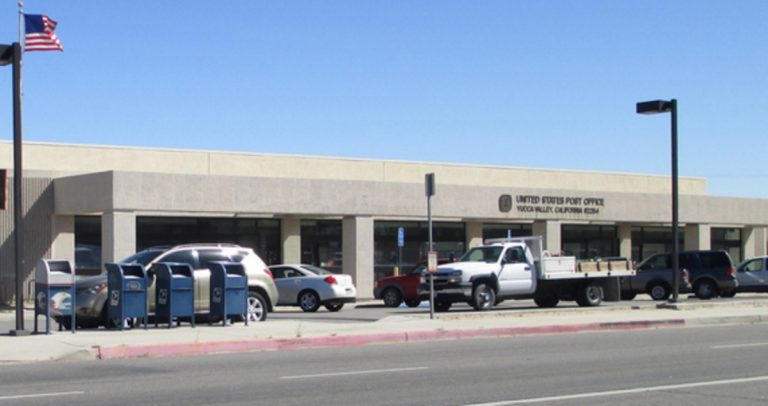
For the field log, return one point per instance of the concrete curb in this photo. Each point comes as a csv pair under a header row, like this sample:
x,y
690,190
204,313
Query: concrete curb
x,y
281,344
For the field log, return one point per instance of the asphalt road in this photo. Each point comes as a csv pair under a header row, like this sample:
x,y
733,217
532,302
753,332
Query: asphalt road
x,y
692,366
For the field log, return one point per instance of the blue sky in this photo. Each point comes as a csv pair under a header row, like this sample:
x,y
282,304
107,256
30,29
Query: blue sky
x,y
544,84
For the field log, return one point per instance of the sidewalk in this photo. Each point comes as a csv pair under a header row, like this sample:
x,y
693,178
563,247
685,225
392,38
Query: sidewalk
x,y
288,334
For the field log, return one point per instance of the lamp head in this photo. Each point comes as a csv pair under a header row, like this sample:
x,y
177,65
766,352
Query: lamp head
x,y
654,107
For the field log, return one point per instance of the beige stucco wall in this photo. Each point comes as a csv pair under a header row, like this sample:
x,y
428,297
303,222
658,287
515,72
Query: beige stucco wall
x,y
90,158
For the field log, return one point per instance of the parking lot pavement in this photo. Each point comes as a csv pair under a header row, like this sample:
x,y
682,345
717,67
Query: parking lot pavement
x,y
283,332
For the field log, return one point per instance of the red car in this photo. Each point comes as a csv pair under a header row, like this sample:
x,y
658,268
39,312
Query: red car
x,y
393,290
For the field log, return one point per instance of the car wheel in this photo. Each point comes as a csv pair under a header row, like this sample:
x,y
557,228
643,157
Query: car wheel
x,y
659,291
334,306
589,294
309,301
65,322
257,307
412,302
705,289
729,293
108,322
483,297
627,295
392,297
546,301
442,305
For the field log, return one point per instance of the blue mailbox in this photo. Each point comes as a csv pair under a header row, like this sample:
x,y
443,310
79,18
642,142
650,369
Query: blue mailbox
x,y
55,293
174,292
127,293
229,290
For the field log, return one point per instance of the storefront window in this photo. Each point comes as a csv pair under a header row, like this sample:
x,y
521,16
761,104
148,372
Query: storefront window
x,y
87,245
263,235
589,242
448,239
321,244
506,230
728,239
647,241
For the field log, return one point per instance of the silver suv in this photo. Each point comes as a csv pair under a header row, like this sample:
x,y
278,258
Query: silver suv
x,y
262,293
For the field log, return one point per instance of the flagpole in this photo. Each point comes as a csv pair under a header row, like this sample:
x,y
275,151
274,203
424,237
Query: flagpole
x,y
18,213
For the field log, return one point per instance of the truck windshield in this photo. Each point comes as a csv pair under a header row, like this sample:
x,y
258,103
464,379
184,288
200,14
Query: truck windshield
x,y
483,254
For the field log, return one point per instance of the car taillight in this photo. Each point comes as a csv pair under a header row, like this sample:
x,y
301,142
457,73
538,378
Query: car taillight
x,y
731,272
268,272
93,290
330,279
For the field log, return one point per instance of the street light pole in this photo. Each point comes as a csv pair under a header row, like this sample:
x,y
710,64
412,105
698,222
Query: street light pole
x,y
664,106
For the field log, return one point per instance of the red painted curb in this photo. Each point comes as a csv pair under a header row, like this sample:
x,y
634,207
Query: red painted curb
x,y
298,343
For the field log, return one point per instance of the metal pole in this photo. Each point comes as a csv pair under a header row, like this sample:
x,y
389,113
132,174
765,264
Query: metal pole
x,y
675,239
429,186
18,216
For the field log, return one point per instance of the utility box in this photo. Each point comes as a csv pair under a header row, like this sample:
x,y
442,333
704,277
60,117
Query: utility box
x,y
55,293
174,292
127,293
229,290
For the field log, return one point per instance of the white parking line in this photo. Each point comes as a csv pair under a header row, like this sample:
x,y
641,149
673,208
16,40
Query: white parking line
x,y
720,347
41,395
622,392
371,371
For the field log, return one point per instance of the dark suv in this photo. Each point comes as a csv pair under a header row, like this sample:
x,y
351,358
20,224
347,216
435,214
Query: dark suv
x,y
710,273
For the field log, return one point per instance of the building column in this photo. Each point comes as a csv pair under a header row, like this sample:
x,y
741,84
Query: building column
x,y
63,246
290,232
697,237
753,241
118,235
625,240
357,253
551,234
474,234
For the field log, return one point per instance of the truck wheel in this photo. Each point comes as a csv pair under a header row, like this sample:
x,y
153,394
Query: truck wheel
x,y
392,298
658,291
483,297
705,289
589,294
442,305
412,302
546,301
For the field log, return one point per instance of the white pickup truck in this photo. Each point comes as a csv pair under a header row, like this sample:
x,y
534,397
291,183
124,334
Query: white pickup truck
x,y
518,268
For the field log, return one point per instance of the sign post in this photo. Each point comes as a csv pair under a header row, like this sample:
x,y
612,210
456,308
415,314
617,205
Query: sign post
x,y
429,189
400,244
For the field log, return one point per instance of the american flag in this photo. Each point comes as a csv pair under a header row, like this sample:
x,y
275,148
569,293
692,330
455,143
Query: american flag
x,y
40,35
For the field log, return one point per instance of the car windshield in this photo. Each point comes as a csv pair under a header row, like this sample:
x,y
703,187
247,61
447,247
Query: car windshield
x,y
483,254
316,270
143,257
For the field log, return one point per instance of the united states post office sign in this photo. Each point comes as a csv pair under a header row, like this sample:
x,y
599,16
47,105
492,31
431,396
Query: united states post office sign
x,y
551,204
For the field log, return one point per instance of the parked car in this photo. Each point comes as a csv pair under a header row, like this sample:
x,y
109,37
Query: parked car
x,y
397,289
752,276
309,286
91,292
709,273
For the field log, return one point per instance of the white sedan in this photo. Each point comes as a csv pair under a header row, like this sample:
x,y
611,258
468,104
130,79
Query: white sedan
x,y
309,286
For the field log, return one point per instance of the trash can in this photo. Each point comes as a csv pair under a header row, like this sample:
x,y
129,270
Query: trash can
x,y
55,292
127,293
174,292
228,291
